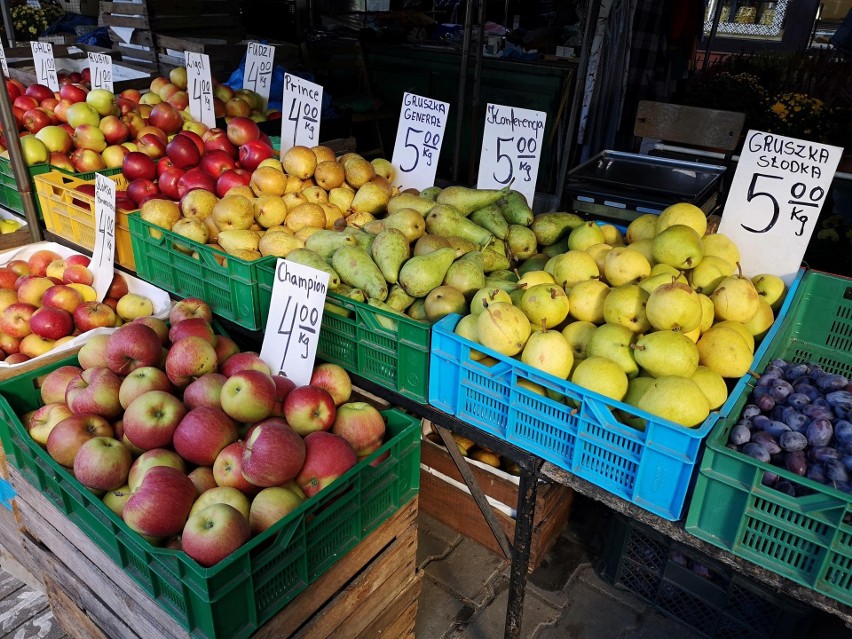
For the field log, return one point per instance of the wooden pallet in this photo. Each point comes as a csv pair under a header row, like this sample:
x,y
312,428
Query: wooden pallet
x,y
371,591
456,508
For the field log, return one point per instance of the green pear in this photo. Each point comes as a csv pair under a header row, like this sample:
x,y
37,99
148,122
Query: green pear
x,y
549,228
430,193
362,238
659,269
550,352
625,305
495,256
428,243
624,265
677,399
409,221
653,282
417,310
614,342
504,274
521,242
443,300
573,267
309,258
771,289
324,242
546,303
709,273
491,219
390,250
601,375
503,328
466,200
636,388
708,312
643,227
515,208
586,301
421,273
531,278
466,274
721,245
662,353
466,328
533,263
503,285
599,253
398,299
351,292
383,320
578,335
679,246
556,249
762,321
487,295
445,220
410,201
461,245
723,350
585,235
735,298
357,268
674,307
712,385
682,213
646,248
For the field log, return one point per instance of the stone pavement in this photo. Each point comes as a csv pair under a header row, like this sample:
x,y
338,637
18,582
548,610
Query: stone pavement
x,y
465,590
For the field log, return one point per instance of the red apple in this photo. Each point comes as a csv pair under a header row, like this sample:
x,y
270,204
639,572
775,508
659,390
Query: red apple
x,y
51,323
151,459
334,379
244,361
22,267
94,391
237,107
179,100
135,122
204,391
115,130
241,130
131,94
77,273
215,532
118,288
137,166
67,436
35,345
192,326
87,160
283,386
203,478
89,136
231,178
227,469
327,457
158,132
189,359
39,91
225,347
159,327
248,396
217,162
274,453
14,88
164,116
217,140
15,320
190,307
39,260
164,164
253,152
195,137
196,178
183,152
309,408
168,182
151,145
61,161
133,346
126,106
202,434
93,353
102,463
73,92
142,189
91,315
7,277
45,418
140,381
271,505
56,382
362,425
160,506
151,419
25,103
35,120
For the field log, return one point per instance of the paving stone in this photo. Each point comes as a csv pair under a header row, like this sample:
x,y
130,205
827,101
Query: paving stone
x,y
551,577
588,576
467,571
438,529
590,614
654,625
431,546
437,611
489,621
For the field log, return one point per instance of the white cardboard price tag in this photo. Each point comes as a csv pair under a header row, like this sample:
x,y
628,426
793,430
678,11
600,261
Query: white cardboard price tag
x,y
45,65
103,254
511,149
258,76
3,60
775,199
422,122
301,110
200,88
100,68
295,315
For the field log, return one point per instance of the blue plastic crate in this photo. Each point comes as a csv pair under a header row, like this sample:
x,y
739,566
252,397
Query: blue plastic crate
x,y
653,468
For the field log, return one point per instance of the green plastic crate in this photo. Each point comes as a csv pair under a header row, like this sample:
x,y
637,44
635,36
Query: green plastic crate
x,y
242,592
690,587
809,538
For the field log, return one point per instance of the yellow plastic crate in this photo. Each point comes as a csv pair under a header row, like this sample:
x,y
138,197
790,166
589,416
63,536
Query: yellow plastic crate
x,y
70,214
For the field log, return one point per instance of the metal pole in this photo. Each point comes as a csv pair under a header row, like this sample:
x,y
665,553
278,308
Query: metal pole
x,y
7,21
477,86
527,489
717,14
468,14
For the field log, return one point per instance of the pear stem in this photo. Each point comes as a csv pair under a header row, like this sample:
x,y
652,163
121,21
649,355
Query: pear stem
x,y
739,269
753,374
638,347
543,325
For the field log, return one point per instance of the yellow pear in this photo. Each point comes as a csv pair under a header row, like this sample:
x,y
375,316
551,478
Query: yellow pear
x,y
324,153
677,399
307,214
598,253
315,194
643,227
233,212
358,171
278,244
579,334
721,245
279,229
384,168
163,213
266,180
723,350
236,240
341,198
241,189
333,216
269,210
329,174
299,161
712,385
273,163
586,301
292,200
771,289
371,198
248,255
359,219
624,265
531,278
760,324
601,375
682,213
198,203
192,229
612,235
735,298
294,184
305,232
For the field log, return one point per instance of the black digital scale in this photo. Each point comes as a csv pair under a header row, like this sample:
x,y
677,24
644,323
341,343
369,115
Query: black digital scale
x,y
619,187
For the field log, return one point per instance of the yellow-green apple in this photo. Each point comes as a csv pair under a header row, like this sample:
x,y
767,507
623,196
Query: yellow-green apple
x,y
51,323
150,98
271,505
45,418
222,495
151,419
61,161
86,291
327,457
115,499
55,383
225,347
227,469
22,267
334,379
114,155
150,459
67,436
82,113
35,345
158,325
115,130
92,354
188,359
237,107
283,386
86,160
55,138
177,76
309,408
32,289
362,425
62,296
91,315
94,391
88,136
167,91
241,130
204,391
160,506
247,396
212,534
7,298
133,306
101,100
77,273
183,152
190,307
140,381
102,463
244,361
202,434
55,269
203,478
223,92
132,346
34,150
192,327
294,487
273,453
15,321
196,127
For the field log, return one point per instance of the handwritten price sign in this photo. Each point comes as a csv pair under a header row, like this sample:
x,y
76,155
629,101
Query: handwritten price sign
x,y
301,109
103,254
775,199
200,88
100,67
258,75
45,65
511,149
422,123
295,315
3,60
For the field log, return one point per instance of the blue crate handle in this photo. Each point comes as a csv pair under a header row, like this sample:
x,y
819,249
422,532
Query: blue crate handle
x,y
7,494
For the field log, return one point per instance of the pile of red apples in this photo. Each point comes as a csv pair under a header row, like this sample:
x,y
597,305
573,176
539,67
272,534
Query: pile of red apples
x,y
47,300
195,444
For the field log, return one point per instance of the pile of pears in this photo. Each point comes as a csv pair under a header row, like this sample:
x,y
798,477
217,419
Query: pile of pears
x,y
658,318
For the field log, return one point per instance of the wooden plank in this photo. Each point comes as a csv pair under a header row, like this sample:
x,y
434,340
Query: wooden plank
x,y
73,620
403,624
128,8
43,626
695,126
